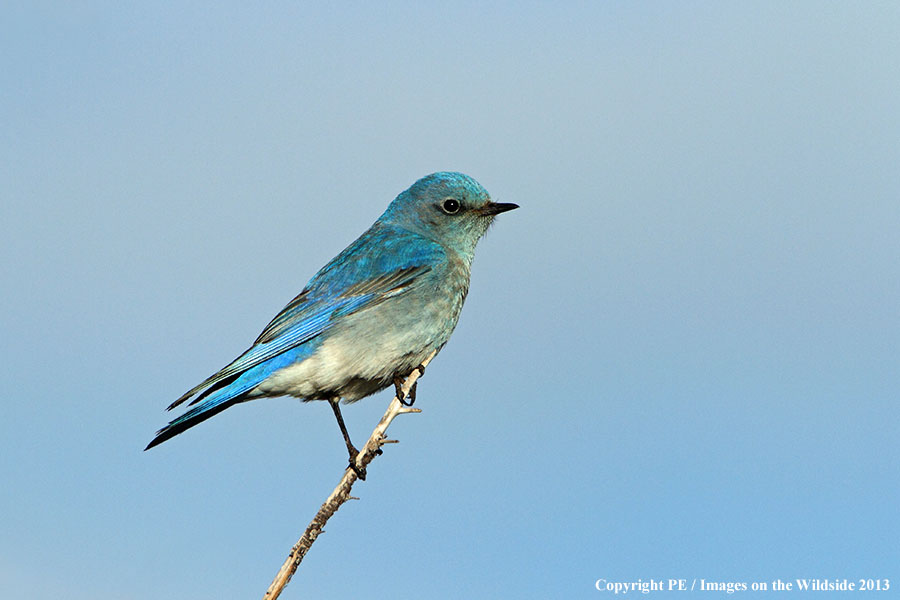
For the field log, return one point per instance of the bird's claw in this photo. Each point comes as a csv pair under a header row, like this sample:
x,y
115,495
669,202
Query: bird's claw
x,y
360,471
398,388
411,396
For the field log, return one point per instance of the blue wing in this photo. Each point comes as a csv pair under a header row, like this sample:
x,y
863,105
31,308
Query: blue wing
x,y
382,263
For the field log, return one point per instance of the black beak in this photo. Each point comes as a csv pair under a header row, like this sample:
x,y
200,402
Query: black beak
x,y
495,208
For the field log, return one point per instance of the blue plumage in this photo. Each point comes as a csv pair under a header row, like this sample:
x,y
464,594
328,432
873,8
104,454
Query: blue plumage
x,y
369,316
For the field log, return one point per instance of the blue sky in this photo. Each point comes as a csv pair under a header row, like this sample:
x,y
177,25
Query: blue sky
x,y
679,359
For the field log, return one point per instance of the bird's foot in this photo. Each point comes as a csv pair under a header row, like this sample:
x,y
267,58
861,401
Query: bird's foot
x,y
360,471
411,397
398,390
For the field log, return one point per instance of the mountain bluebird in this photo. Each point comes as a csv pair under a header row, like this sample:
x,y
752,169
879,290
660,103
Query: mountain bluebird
x,y
369,317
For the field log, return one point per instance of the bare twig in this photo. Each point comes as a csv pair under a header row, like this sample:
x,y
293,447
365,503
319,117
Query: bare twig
x,y
342,492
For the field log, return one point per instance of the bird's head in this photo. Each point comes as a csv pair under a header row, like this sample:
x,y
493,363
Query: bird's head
x,y
450,208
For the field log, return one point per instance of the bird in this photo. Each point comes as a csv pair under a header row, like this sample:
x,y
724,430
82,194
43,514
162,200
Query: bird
x,y
369,317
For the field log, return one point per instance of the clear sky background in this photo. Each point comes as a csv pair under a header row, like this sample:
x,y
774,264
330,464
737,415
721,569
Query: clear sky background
x,y
680,358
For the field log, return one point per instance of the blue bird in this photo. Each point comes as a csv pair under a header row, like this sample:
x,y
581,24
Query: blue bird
x,y
369,317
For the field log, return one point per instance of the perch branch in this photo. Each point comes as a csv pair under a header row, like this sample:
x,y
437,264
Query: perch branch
x,y
342,492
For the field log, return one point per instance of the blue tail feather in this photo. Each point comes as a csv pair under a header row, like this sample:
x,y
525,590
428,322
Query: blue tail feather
x,y
233,393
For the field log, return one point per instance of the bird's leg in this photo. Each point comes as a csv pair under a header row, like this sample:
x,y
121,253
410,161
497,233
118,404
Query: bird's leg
x,y
351,449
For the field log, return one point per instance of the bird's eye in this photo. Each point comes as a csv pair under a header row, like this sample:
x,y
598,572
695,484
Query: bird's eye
x,y
450,206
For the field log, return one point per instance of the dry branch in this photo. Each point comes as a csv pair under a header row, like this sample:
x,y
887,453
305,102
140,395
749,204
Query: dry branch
x,y
342,492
